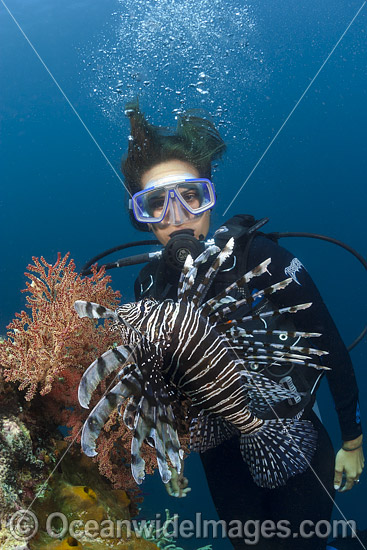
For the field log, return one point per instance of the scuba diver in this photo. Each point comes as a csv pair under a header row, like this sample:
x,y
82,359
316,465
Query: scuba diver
x,y
168,176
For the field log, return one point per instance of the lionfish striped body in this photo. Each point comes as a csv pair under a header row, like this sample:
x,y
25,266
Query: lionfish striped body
x,y
190,348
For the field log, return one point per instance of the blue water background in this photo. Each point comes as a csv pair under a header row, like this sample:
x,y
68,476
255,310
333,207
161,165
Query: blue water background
x,y
248,64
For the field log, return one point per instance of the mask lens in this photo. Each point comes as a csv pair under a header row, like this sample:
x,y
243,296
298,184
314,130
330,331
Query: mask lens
x,y
196,196
155,203
191,195
150,206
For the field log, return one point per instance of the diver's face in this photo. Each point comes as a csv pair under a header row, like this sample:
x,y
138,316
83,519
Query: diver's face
x,y
176,168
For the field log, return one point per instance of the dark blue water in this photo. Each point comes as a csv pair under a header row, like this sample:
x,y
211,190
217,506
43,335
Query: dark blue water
x,y
247,65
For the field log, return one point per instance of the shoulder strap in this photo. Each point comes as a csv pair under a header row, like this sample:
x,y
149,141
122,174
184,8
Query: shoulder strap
x,y
243,228
235,227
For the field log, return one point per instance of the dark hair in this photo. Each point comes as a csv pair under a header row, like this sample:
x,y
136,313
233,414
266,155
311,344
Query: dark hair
x,y
194,140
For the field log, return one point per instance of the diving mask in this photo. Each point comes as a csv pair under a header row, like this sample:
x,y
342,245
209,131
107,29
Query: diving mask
x,y
173,200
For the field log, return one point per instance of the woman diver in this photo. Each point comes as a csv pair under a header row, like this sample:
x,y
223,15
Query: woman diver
x,y
168,176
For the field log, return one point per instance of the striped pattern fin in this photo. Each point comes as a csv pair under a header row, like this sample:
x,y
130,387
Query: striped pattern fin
x,y
231,308
289,333
154,421
236,331
185,277
143,426
263,392
264,362
210,305
270,359
202,289
266,359
207,431
189,273
148,412
110,361
278,450
93,310
130,411
99,415
266,314
243,348
166,441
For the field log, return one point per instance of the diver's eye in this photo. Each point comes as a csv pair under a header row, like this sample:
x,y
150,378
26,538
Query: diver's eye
x,y
155,204
192,198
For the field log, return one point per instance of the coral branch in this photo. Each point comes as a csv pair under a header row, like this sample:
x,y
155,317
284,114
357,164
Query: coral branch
x,y
43,344
47,350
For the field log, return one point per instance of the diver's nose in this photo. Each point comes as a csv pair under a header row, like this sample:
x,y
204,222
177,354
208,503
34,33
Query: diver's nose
x,y
177,210
176,214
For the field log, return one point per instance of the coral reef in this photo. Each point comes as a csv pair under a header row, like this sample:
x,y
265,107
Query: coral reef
x,y
41,363
71,543
8,542
16,453
52,339
48,350
78,491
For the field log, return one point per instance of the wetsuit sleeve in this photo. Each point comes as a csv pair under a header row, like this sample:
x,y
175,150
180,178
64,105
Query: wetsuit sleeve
x,y
341,378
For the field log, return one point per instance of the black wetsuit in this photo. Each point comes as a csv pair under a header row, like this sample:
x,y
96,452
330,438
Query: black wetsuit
x,y
306,496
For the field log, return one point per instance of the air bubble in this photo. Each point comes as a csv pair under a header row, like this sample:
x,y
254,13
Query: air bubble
x,y
157,48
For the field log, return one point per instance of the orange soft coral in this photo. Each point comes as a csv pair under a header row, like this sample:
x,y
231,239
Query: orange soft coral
x,y
48,350
42,345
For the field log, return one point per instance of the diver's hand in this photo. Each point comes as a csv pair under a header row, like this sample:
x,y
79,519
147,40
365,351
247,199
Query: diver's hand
x,y
178,484
351,463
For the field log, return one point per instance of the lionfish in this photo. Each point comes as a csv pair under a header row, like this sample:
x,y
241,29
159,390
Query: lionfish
x,y
190,349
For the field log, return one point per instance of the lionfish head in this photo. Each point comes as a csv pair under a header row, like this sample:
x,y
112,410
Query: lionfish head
x,y
134,313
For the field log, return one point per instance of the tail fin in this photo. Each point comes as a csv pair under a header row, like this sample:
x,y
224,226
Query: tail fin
x,y
279,450
208,431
